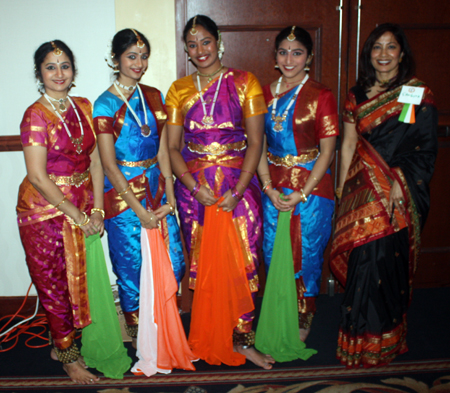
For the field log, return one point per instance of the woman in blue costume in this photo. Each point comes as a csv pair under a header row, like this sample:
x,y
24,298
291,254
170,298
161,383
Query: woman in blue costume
x,y
301,128
129,120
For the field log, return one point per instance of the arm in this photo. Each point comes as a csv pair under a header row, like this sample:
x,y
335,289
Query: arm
x,y
350,138
255,131
98,178
175,133
108,158
327,146
36,164
166,170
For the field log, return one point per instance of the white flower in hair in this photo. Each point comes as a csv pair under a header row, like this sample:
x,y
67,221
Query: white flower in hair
x,y
109,55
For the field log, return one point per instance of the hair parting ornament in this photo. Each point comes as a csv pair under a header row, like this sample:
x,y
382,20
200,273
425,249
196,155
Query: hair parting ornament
x,y
56,50
291,37
194,31
140,44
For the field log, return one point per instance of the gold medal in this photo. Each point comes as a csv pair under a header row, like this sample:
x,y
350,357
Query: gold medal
x,y
145,130
208,120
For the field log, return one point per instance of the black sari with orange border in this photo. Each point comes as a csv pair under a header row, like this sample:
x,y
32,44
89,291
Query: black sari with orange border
x,y
373,254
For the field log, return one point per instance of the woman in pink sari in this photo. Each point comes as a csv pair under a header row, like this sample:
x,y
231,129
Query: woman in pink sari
x,y
215,124
60,202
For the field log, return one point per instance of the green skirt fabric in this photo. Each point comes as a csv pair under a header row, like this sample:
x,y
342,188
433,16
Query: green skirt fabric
x,y
102,345
278,332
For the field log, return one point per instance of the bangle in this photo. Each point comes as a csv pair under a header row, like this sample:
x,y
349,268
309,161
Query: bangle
x,y
238,182
315,179
266,184
98,210
124,191
304,197
183,174
196,189
235,194
243,170
266,188
172,210
338,192
168,177
60,203
264,174
85,222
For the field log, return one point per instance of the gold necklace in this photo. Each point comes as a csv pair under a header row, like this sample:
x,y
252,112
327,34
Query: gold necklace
x,y
210,76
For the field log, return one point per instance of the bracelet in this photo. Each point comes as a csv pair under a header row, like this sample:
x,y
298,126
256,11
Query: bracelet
x,y
241,185
338,192
304,197
266,184
85,222
123,192
264,174
266,188
235,194
315,179
196,189
243,170
60,203
98,210
183,174
172,210
168,177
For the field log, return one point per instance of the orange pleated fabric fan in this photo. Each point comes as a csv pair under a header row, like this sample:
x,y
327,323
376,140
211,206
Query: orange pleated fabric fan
x,y
222,293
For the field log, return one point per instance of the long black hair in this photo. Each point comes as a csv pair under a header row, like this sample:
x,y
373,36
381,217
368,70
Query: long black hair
x,y
406,68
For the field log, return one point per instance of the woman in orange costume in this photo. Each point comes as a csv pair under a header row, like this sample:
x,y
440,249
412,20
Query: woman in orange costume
x,y
215,137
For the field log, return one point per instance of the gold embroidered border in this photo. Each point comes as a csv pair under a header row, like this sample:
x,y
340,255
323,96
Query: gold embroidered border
x,y
290,160
216,148
144,164
77,179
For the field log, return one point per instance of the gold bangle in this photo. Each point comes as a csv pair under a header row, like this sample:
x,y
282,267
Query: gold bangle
x,y
98,210
266,183
124,191
85,222
172,210
304,197
60,203
315,179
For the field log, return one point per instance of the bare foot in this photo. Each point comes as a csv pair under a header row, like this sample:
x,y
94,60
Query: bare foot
x,y
256,357
78,374
304,334
79,360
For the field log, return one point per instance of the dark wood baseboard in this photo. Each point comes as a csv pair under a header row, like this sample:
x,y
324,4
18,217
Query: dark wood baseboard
x,y
10,304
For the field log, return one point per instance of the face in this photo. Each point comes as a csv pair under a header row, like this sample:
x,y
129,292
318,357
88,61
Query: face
x,y
57,75
292,58
385,56
132,64
203,50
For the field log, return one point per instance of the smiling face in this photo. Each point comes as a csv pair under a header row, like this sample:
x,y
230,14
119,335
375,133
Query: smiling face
x,y
385,56
203,50
132,64
292,58
57,75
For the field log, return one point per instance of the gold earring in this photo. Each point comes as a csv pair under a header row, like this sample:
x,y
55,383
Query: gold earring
x,y
276,66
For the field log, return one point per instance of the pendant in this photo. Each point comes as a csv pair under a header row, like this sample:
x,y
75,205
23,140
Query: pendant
x,y
145,130
77,142
207,120
62,107
278,127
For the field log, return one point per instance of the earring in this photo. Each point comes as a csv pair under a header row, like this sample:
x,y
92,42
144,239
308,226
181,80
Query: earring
x,y
189,57
401,58
276,66
307,68
40,86
72,84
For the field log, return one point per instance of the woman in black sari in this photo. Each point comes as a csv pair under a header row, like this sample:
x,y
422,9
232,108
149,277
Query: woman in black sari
x,y
387,163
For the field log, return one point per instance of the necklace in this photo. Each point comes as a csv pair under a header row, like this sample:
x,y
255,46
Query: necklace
x,y
385,82
61,102
76,141
129,88
208,120
278,127
210,76
145,129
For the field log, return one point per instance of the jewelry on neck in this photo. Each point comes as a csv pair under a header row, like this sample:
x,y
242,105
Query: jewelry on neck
x,y
145,129
385,82
128,88
76,141
291,37
208,120
61,102
279,120
210,76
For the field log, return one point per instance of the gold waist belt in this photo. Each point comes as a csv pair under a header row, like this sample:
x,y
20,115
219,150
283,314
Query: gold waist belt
x,y
144,164
216,148
290,160
77,179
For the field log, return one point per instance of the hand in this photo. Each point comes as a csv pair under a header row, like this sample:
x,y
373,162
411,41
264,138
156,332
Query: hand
x,y
293,199
205,197
162,211
396,197
149,220
278,203
97,220
89,228
229,202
